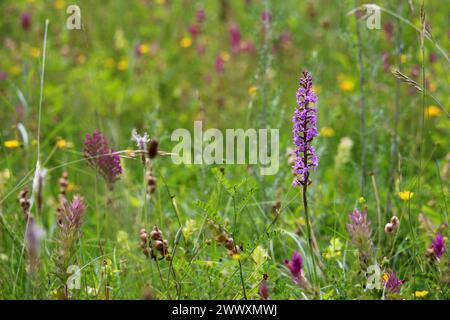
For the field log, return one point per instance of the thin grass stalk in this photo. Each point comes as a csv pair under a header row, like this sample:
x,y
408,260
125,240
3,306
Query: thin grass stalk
x,y
362,106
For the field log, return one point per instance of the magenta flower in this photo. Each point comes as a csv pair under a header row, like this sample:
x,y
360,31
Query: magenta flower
x,y
393,284
304,131
295,264
200,14
266,17
194,30
438,245
235,38
102,158
219,64
25,21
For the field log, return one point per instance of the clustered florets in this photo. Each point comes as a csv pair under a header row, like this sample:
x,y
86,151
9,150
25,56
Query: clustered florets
x,y
304,131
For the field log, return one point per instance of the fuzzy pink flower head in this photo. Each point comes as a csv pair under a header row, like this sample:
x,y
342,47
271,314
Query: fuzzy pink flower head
x,y
235,38
25,21
295,264
393,283
102,158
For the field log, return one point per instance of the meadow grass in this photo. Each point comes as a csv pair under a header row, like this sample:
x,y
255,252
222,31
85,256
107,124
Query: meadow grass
x,y
223,231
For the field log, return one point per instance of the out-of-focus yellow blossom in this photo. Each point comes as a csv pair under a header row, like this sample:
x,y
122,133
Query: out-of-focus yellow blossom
x,y
327,132
15,69
385,277
433,111
144,48
236,256
403,58
301,221
421,294
347,85
405,195
334,249
362,200
345,82
35,52
70,187
11,144
62,143
122,65
109,63
432,87
81,59
186,42
225,56
252,90
161,2
4,176
59,4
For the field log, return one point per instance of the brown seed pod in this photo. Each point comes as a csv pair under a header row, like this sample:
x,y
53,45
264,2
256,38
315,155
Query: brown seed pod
x,y
152,148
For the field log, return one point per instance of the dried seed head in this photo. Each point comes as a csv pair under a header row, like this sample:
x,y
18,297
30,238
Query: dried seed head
x,y
156,234
152,148
229,244
151,183
63,183
25,203
395,221
159,245
389,227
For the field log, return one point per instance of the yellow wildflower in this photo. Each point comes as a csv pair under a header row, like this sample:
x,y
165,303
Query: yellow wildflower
x,y
15,69
81,59
403,58
362,200
421,294
433,111
11,144
70,187
236,256
347,85
122,65
61,143
35,52
186,42
225,56
252,90
327,132
405,195
144,48
59,4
